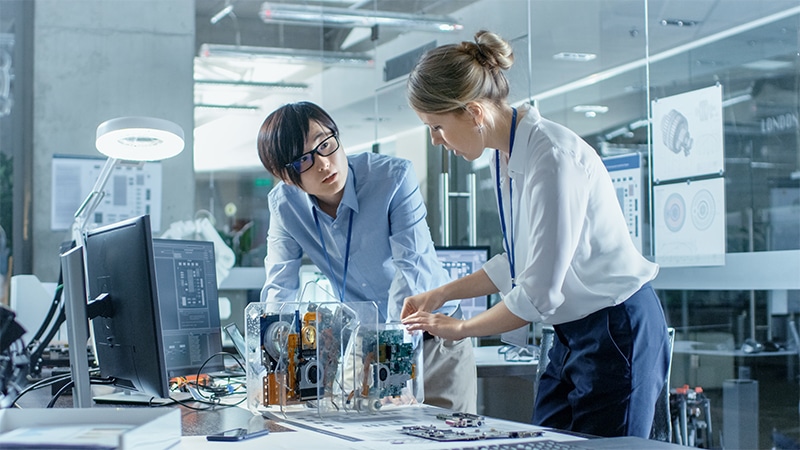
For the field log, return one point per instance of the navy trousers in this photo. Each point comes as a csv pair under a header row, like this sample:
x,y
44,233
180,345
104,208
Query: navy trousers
x,y
607,370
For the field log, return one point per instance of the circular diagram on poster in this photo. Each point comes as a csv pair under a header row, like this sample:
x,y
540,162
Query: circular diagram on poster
x,y
703,209
674,212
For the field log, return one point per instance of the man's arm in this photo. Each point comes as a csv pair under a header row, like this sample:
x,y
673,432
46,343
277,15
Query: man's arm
x,y
413,254
282,263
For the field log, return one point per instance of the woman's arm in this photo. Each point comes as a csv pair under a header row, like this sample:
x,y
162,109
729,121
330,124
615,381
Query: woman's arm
x,y
473,285
496,320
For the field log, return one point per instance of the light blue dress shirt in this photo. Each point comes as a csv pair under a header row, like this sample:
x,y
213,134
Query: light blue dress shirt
x,y
392,255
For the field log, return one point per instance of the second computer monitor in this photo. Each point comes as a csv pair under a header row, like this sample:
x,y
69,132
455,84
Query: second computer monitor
x,y
190,320
460,261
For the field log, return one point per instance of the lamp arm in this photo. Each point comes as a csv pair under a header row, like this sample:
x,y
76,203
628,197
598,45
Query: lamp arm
x,y
92,200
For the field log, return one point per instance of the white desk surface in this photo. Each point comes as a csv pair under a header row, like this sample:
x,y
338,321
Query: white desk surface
x,y
704,348
369,432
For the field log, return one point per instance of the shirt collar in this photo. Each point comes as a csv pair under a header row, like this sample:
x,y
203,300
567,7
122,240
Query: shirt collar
x,y
350,199
516,163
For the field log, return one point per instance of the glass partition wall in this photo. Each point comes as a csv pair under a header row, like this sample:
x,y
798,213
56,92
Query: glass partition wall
x,y
736,320
613,71
605,70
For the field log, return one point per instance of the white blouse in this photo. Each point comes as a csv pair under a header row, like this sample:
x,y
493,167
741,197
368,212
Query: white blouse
x,y
573,252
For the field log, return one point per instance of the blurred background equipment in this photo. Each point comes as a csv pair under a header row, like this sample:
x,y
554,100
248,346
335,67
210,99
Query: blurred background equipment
x,y
13,358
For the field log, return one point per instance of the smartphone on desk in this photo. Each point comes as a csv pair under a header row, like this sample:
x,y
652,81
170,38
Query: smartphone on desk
x,y
236,434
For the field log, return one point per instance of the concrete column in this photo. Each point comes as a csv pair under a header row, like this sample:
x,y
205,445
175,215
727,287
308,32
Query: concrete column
x,y
99,59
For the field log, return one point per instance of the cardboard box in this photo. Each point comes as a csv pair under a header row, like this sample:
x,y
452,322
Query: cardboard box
x,y
141,428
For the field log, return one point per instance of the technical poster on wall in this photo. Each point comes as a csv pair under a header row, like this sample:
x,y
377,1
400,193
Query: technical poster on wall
x,y
690,223
689,187
133,189
687,135
626,175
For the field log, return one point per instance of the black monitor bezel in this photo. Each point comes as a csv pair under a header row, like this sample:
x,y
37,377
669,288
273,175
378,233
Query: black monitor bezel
x,y
135,324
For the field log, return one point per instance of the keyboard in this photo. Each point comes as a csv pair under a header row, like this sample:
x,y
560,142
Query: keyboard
x,y
614,443
545,444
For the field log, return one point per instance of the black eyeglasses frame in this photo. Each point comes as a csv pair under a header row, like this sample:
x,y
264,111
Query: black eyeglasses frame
x,y
297,164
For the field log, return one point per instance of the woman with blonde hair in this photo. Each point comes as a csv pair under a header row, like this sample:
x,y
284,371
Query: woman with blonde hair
x,y
569,260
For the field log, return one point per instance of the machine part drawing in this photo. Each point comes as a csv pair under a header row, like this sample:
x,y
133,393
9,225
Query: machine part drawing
x,y
703,209
674,212
675,131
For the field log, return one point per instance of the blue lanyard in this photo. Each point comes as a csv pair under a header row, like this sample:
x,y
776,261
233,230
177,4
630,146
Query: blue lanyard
x,y
509,248
347,247
346,253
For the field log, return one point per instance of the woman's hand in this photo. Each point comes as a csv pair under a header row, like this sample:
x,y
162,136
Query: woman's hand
x,y
436,324
426,301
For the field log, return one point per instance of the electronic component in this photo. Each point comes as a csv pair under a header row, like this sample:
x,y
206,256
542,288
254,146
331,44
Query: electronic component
x,y
449,434
330,356
394,364
289,352
461,420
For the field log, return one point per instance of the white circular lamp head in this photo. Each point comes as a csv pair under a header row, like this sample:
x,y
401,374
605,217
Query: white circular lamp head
x,y
139,138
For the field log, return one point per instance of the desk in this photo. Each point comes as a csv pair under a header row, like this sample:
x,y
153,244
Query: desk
x,y
490,363
702,348
303,429
722,361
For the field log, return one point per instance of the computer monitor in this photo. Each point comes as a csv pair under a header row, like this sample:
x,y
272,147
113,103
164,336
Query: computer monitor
x,y
129,344
460,261
187,290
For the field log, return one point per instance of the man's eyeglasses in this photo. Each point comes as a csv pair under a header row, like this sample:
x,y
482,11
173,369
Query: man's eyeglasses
x,y
306,160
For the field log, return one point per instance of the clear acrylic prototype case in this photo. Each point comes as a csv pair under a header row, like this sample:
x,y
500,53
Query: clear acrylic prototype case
x,y
332,357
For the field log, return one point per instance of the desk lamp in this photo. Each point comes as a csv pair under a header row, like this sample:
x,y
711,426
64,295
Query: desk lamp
x,y
127,139
121,139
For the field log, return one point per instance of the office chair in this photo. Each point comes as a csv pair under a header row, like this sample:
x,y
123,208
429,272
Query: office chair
x,y
662,421
545,345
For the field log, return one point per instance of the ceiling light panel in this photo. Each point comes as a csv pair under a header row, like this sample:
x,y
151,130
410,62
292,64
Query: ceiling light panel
x,y
348,18
574,56
287,55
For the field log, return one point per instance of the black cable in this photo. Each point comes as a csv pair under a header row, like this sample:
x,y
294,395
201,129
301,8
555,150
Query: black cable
x,y
67,385
214,392
44,382
36,355
54,305
71,383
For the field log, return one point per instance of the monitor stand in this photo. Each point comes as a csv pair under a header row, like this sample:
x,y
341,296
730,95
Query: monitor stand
x,y
126,397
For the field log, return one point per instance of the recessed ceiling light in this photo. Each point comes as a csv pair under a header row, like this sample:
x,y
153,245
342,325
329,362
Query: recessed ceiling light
x,y
679,22
590,110
768,65
574,56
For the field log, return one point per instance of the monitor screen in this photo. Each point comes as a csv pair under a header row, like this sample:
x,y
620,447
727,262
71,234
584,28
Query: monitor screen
x,y
460,261
129,344
187,291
